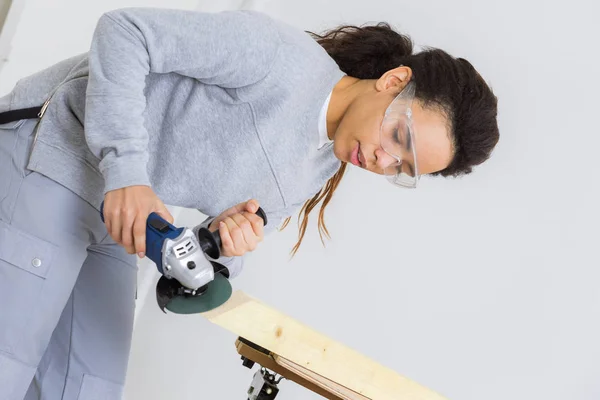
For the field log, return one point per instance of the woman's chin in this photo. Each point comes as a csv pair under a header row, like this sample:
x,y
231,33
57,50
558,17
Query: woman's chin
x,y
338,154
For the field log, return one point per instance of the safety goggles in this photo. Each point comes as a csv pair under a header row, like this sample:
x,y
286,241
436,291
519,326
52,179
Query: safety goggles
x,y
397,139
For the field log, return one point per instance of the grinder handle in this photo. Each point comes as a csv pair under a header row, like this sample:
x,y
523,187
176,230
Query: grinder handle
x,y
157,231
211,241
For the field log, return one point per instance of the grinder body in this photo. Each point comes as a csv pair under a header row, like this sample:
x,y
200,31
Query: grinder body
x,y
177,253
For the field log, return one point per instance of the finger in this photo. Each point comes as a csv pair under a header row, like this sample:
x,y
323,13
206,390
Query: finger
x,y
139,235
226,240
257,225
251,206
115,226
237,235
248,235
127,231
242,221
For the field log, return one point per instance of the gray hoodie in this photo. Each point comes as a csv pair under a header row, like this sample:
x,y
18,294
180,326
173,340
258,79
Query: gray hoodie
x,y
209,109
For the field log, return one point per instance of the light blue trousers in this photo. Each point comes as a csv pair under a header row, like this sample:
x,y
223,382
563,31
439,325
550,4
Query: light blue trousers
x,y
67,290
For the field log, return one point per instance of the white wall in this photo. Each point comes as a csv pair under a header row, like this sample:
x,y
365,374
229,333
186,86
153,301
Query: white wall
x,y
10,14
484,287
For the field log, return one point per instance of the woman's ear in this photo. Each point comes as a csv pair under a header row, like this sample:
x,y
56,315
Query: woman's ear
x,y
395,79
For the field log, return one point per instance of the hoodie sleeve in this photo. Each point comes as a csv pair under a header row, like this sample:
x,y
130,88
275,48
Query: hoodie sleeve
x,y
231,49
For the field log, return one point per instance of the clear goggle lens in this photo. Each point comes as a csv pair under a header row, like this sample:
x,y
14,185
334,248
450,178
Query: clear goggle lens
x,y
397,140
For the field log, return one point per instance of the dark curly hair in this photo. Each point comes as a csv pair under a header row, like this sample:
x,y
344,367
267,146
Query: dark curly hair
x,y
449,84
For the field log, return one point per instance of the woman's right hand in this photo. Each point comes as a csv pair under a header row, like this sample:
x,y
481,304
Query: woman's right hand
x,y
126,211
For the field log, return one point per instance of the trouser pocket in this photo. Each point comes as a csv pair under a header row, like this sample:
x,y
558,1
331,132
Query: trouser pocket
x,y
95,388
25,261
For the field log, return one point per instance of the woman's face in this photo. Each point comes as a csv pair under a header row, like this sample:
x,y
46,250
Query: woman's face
x,y
357,136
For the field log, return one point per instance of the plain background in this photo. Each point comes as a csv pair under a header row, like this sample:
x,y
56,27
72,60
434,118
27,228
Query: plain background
x,y
484,287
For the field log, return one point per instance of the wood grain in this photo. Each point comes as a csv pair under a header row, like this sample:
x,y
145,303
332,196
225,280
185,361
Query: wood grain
x,y
314,353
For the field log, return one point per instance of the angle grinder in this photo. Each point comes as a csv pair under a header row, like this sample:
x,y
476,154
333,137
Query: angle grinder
x,y
190,282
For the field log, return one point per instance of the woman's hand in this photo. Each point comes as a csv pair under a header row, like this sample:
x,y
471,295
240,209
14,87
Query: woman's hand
x,y
126,211
240,229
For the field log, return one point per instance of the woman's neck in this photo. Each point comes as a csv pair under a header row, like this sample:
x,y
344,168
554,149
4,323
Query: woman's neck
x,y
344,93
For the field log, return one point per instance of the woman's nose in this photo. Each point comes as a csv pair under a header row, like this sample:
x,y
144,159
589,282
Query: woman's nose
x,y
383,160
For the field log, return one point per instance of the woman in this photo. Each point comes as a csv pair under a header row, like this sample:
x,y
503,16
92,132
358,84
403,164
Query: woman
x,y
201,111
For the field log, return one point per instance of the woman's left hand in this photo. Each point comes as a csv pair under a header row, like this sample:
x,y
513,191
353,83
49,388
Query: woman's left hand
x,y
240,228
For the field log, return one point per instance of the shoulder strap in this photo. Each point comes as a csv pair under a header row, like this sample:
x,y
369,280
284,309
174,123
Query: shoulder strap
x,y
16,115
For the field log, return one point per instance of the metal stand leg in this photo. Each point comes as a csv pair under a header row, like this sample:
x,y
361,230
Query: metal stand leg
x,y
264,386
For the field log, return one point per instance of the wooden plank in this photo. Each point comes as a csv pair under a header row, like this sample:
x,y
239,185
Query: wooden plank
x,y
247,317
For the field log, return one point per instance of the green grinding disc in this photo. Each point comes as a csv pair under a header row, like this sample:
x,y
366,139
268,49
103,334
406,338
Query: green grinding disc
x,y
217,293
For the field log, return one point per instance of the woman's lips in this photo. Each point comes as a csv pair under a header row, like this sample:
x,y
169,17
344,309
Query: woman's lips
x,y
357,158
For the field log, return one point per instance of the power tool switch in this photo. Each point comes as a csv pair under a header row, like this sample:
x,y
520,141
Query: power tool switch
x,y
160,225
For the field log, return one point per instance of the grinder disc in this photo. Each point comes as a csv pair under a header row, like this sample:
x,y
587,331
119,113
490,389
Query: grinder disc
x,y
217,292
